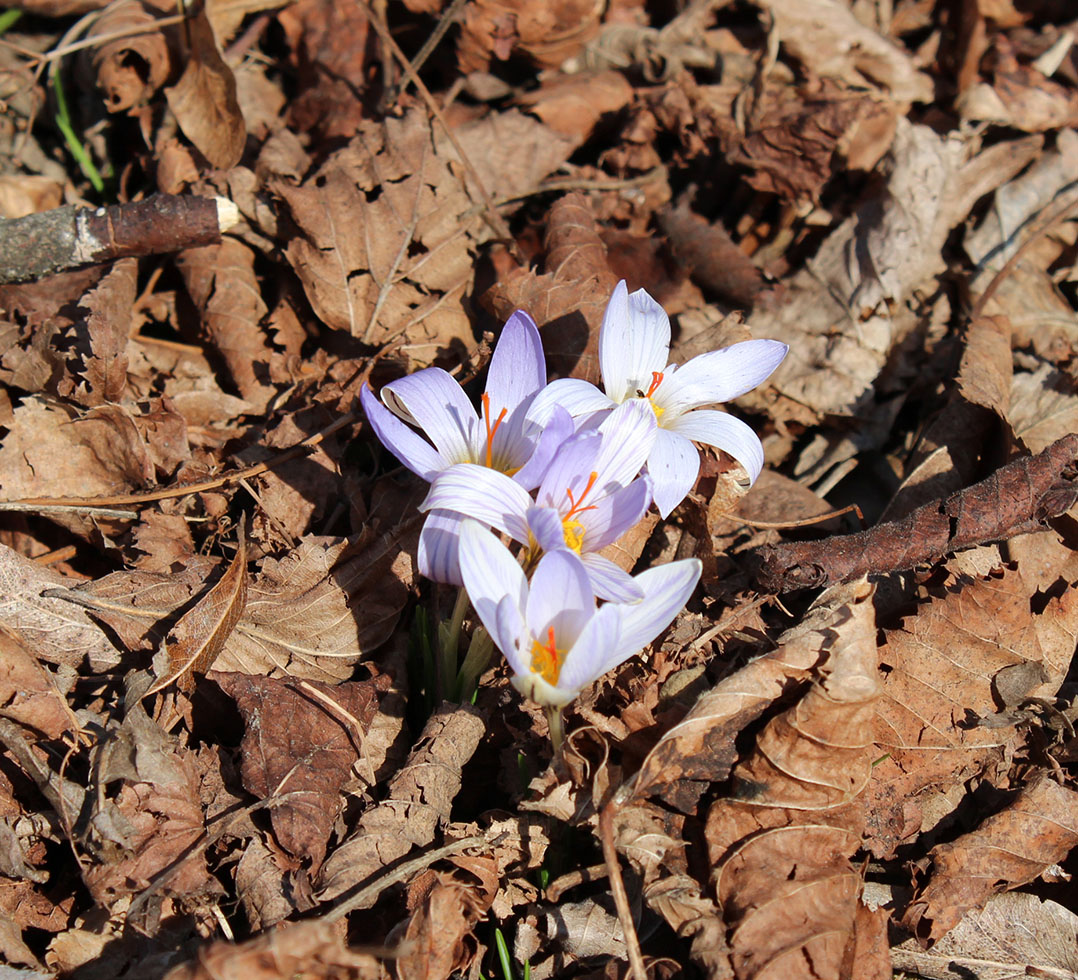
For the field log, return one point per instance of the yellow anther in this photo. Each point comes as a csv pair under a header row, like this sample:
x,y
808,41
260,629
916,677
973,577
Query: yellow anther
x,y
547,658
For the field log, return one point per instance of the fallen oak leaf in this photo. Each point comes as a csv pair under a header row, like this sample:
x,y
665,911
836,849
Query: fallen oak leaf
x,y
1019,497
193,644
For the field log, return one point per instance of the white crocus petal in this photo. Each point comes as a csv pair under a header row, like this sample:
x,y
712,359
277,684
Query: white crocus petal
x,y
579,398
634,343
673,466
411,449
725,432
490,573
666,590
433,401
509,633
438,555
484,494
558,428
608,581
569,470
560,597
599,644
615,513
517,366
546,527
718,376
628,434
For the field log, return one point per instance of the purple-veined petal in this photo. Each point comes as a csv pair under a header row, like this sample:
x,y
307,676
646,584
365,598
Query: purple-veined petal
x,y
433,401
411,449
610,582
628,435
546,527
725,432
559,427
579,398
570,469
488,496
614,514
517,367
718,376
634,341
673,465
490,575
508,632
666,590
438,556
598,645
560,596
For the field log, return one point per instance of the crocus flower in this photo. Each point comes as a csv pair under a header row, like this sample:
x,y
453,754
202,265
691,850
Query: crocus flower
x,y
634,344
503,438
588,498
552,635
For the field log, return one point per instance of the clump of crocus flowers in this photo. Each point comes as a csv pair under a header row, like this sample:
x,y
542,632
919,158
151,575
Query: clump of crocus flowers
x,y
562,470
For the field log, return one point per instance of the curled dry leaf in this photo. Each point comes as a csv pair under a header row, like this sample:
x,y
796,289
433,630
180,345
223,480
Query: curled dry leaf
x,y
941,667
700,748
131,67
418,800
781,845
108,325
306,761
192,645
204,99
1012,847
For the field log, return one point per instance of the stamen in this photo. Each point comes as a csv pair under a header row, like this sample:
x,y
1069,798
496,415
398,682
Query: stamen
x,y
572,529
547,658
491,429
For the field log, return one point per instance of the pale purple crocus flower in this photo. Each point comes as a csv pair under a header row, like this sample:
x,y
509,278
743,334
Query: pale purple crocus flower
x,y
634,345
589,497
552,635
503,438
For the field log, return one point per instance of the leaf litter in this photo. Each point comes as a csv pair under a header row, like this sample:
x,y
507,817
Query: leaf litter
x,y
227,746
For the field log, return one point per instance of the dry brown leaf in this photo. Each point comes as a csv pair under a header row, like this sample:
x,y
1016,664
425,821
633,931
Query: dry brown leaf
x,y
193,644
780,846
940,677
827,37
302,948
1044,406
309,759
164,540
108,324
418,800
223,285
701,746
204,99
311,614
574,105
262,887
30,694
57,631
1012,847
1016,934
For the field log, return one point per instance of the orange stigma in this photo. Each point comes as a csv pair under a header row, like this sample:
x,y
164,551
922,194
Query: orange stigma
x,y
547,658
491,429
656,380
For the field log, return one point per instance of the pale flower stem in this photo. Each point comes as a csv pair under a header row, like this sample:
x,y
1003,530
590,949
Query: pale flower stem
x,y
557,727
451,644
